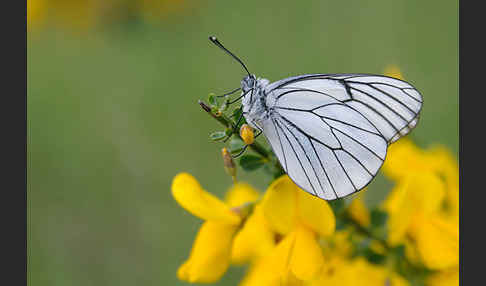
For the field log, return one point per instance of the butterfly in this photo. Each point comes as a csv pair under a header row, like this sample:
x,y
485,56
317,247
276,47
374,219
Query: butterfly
x,y
330,132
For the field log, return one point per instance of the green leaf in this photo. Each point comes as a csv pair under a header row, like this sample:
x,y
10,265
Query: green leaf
x,y
373,257
379,227
341,223
251,162
378,218
215,111
224,106
236,145
236,114
337,205
212,100
217,136
399,251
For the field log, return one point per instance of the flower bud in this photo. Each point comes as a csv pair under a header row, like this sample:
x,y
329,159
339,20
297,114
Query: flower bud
x,y
393,71
246,133
229,165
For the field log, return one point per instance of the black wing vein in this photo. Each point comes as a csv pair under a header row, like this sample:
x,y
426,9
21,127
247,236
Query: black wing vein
x,y
297,157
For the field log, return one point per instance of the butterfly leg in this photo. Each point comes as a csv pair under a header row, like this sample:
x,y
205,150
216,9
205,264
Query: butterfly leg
x,y
229,93
240,97
241,152
235,129
246,146
259,132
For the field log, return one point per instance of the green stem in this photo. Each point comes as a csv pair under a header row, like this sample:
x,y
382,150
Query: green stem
x,y
223,119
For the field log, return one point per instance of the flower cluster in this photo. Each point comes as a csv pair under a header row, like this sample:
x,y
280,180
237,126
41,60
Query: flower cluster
x,y
289,237
423,208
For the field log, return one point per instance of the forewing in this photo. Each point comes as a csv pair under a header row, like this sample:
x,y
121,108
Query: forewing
x,y
391,105
326,147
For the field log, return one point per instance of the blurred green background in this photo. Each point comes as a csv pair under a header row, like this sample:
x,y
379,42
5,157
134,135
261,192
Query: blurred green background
x,y
113,114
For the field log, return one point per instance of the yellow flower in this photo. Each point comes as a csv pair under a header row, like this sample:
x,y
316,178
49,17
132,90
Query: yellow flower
x,y
417,193
269,270
337,271
393,71
296,258
211,251
36,12
191,196
423,207
405,157
357,210
254,240
210,254
300,218
437,241
339,244
366,273
285,205
343,272
442,161
449,277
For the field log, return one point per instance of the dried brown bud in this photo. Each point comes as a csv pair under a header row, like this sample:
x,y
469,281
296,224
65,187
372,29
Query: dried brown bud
x,y
229,164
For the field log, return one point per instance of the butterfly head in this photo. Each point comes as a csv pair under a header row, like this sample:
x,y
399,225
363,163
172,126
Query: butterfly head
x,y
248,83
254,106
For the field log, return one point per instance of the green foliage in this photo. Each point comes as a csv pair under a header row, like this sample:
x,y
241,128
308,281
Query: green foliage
x,y
251,162
236,145
212,100
379,220
217,136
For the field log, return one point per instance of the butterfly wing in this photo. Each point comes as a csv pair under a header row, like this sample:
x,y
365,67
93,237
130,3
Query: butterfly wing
x,y
330,132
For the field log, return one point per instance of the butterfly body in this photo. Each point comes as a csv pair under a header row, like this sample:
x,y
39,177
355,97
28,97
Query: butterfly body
x,y
255,106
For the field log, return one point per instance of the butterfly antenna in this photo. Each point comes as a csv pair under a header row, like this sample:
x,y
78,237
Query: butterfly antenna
x,y
217,43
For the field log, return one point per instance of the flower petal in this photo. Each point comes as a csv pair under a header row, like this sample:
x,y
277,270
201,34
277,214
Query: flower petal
x,y
241,193
417,192
273,268
393,71
306,257
400,214
336,271
437,241
315,213
262,273
402,157
374,274
358,211
279,205
189,194
259,273
210,254
254,240
449,277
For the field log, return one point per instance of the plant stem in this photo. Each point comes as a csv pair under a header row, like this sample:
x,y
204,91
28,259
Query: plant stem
x,y
257,147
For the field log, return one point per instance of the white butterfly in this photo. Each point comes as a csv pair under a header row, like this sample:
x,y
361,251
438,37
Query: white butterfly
x,y
330,132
